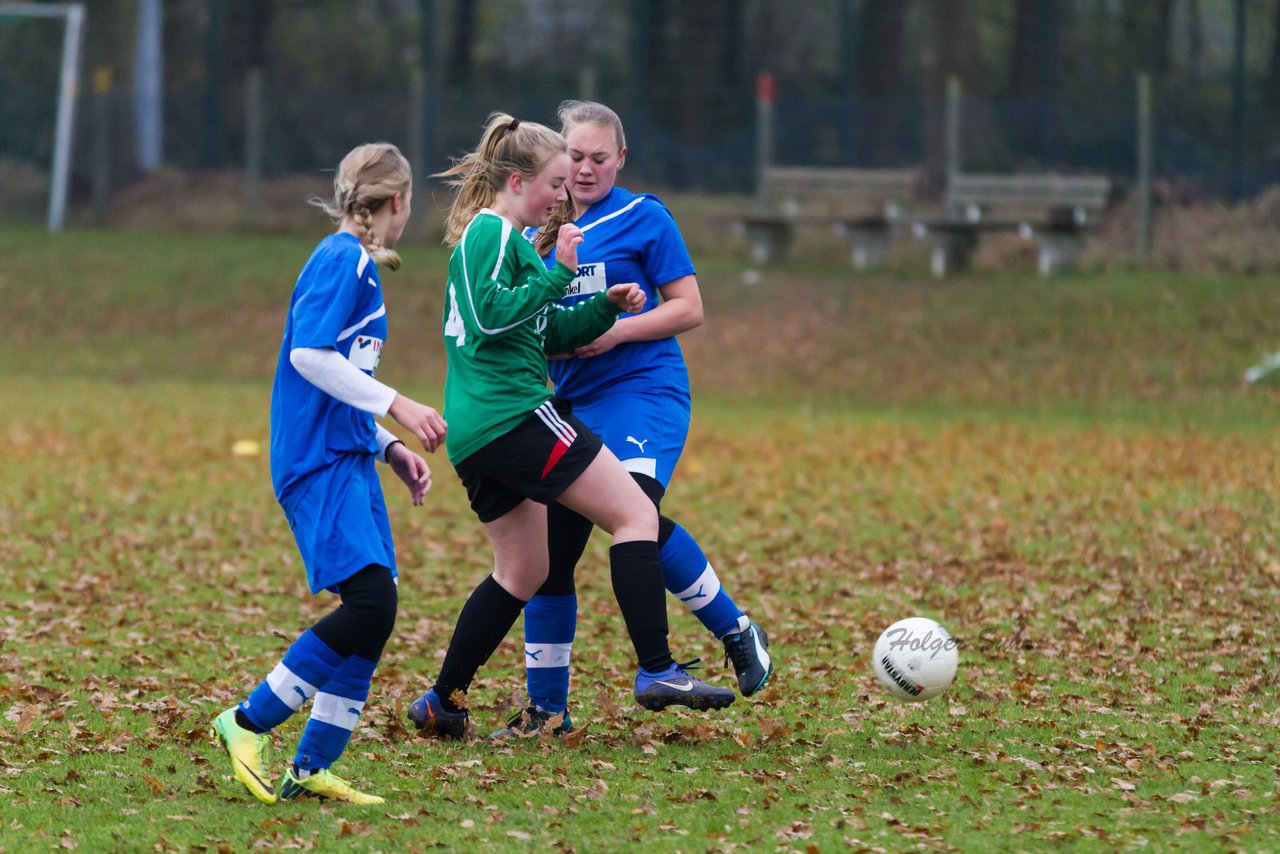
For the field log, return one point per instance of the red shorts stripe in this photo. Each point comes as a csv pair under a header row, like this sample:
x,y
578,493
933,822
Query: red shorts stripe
x,y
556,453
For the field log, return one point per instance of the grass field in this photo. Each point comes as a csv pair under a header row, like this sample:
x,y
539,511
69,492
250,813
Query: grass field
x,y
1068,474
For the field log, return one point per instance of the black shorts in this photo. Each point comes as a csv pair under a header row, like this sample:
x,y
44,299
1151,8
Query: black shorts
x,y
539,459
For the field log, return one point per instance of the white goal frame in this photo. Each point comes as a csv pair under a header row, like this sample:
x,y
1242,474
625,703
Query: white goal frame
x,y
73,35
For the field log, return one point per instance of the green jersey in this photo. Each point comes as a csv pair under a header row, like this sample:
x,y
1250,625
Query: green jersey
x,y
501,319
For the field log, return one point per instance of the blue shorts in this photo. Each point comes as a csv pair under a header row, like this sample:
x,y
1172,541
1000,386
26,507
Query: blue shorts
x,y
646,430
339,520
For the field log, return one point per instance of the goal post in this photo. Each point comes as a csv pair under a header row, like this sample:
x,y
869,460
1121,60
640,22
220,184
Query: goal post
x,y
73,16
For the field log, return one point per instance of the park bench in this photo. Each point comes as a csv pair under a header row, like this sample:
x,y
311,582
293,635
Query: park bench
x,y
1056,212
864,205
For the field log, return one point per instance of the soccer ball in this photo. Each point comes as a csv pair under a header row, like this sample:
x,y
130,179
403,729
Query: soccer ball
x,y
915,659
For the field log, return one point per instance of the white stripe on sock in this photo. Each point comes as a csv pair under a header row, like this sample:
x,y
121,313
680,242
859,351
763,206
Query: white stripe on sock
x,y
338,711
547,654
289,688
699,594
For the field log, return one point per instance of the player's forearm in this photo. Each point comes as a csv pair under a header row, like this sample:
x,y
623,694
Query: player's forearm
x,y
671,318
569,327
329,371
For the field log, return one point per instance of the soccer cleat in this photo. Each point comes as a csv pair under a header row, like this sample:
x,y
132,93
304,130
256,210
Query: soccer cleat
x,y
533,721
749,652
429,714
675,687
248,752
325,785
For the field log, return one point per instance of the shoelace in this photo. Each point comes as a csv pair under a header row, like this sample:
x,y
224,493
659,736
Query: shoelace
x,y
692,664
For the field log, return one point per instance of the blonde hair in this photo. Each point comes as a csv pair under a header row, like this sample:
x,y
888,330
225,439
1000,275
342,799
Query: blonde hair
x,y
366,179
572,114
508,146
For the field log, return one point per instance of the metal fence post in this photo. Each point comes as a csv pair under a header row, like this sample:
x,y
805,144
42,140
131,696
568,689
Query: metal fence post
x,y
1144,165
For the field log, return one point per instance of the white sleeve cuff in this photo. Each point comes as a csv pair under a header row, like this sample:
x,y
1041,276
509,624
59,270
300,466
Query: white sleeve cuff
x,y
329,371
385,438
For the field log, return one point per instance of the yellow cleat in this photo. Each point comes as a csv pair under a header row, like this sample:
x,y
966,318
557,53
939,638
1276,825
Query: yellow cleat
x,y
248,752
325,785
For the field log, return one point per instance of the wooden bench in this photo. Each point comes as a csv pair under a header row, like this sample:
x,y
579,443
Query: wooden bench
x,y
864,205
1056,212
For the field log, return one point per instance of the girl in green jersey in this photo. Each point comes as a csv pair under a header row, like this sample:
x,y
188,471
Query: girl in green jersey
x,y
516,448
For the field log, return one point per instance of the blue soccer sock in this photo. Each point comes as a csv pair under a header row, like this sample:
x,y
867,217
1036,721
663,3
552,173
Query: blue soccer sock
x,y
689,575
550,623
307,666
334,714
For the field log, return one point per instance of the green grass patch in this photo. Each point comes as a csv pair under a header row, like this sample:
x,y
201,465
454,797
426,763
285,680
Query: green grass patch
x,y
1067,474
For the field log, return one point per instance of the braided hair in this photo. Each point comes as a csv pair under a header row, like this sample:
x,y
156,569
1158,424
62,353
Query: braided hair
x,y
366,179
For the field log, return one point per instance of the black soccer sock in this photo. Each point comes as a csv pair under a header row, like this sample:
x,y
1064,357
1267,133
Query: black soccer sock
x,y
364,621
488,615
242,721
638,587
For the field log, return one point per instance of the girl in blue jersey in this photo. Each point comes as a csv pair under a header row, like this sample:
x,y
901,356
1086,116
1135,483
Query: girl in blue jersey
x,y
630,387
324,441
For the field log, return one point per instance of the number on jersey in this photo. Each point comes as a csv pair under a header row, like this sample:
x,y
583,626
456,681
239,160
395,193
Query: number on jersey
x,y
453,327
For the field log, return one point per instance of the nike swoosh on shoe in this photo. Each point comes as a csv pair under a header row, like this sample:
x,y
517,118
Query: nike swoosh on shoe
x,y
687,686
264,785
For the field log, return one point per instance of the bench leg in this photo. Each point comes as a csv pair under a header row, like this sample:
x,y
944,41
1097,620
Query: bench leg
x,y
870,247
768,244
1057,252
950,251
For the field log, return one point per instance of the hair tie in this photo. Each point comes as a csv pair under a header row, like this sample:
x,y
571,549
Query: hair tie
x,y
515,123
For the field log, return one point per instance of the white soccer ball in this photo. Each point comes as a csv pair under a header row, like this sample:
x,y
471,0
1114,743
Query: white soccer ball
x,y
915,659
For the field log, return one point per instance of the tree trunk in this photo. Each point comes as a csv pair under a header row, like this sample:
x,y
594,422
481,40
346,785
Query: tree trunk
x,y
879,78
461,56
1273,75
950,49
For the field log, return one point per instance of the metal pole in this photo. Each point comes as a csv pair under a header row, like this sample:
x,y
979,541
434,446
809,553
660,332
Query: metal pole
x,y
101,142
848,74
953,127
1144,165
765,94
66,116
587,83
148,86
1240,126
429,97
213,86
252,142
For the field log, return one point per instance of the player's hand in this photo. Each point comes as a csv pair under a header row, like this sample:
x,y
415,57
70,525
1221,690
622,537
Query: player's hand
x,y
629,295
603,344
567,240
422,421
412,469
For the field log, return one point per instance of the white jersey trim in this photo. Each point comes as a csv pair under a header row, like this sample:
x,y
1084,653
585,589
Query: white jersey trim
x,y
466,277
364,261
362,323
618,212
642,465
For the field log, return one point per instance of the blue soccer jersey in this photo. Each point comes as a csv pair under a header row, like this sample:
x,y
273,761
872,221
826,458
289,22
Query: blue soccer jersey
x,y
337,302
626,238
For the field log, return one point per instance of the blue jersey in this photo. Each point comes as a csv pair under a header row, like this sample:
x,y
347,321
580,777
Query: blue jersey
x,y
626,238
337,302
